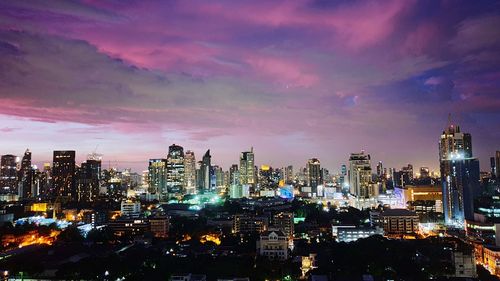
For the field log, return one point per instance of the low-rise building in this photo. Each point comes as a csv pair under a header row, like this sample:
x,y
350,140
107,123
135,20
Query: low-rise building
x,y
244,223
399,222
159,226
273,244
130,209
350,234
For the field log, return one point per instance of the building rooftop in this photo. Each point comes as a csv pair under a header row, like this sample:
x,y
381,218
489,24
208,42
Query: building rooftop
x,y
398,212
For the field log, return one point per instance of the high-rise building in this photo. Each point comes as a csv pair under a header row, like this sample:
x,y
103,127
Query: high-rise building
x,y
497,164
63,174
360,174
234,175
459,175
205,174
288,175
8,174
380,169
189,170
175,169
314,175
247,168
26,178
157,176
88,180
493,167
219,178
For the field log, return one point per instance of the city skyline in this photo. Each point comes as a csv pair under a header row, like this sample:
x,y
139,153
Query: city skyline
x,y
296,81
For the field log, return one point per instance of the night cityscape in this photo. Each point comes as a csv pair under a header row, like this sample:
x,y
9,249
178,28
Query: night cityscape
x,y
250,140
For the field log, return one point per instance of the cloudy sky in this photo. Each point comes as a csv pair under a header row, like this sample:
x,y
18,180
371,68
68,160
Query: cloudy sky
x,y
294,79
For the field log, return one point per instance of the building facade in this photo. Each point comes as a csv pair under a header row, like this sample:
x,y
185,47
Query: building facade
x,y
459,175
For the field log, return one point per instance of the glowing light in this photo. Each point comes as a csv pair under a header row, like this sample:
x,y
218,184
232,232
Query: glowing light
x,y
215,238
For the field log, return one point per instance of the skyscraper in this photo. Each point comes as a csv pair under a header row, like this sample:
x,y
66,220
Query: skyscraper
x,y
497,164
360,174
189,170
247,168
288,175
8,174
493,167
175,169
157,176
234,175
459,175
314,176
205,171
88,180
63,174
380,169
26,177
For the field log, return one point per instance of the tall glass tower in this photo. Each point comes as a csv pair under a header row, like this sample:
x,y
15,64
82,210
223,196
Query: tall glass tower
x,y
459,175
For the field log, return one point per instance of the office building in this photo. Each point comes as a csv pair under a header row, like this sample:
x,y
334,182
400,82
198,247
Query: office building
x,y
175,169
352,233
130,209
284,222
497,164
26,177
205,172
314,175
399,222
88,180
63,174
360,174
247,168
245,223
157,176
189,171
8,174
459,175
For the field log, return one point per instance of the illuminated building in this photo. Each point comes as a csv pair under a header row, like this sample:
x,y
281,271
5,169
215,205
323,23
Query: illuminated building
x,y
234,175
497,164
175,169
63,174
424,172
88,180
205,178
489,257
157,176
423,199
284,222
403,177
314,175
130,209
247,168
360,174
399,222
189,171
8,174
380,169
159,226
133,227
273,245
459,175
353,233
219,181
288,174
244,223
26,173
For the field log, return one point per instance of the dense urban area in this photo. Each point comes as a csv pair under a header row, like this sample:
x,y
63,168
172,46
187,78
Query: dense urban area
x,y
188,220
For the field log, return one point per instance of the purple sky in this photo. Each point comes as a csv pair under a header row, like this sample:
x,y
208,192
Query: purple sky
x,y
294,79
